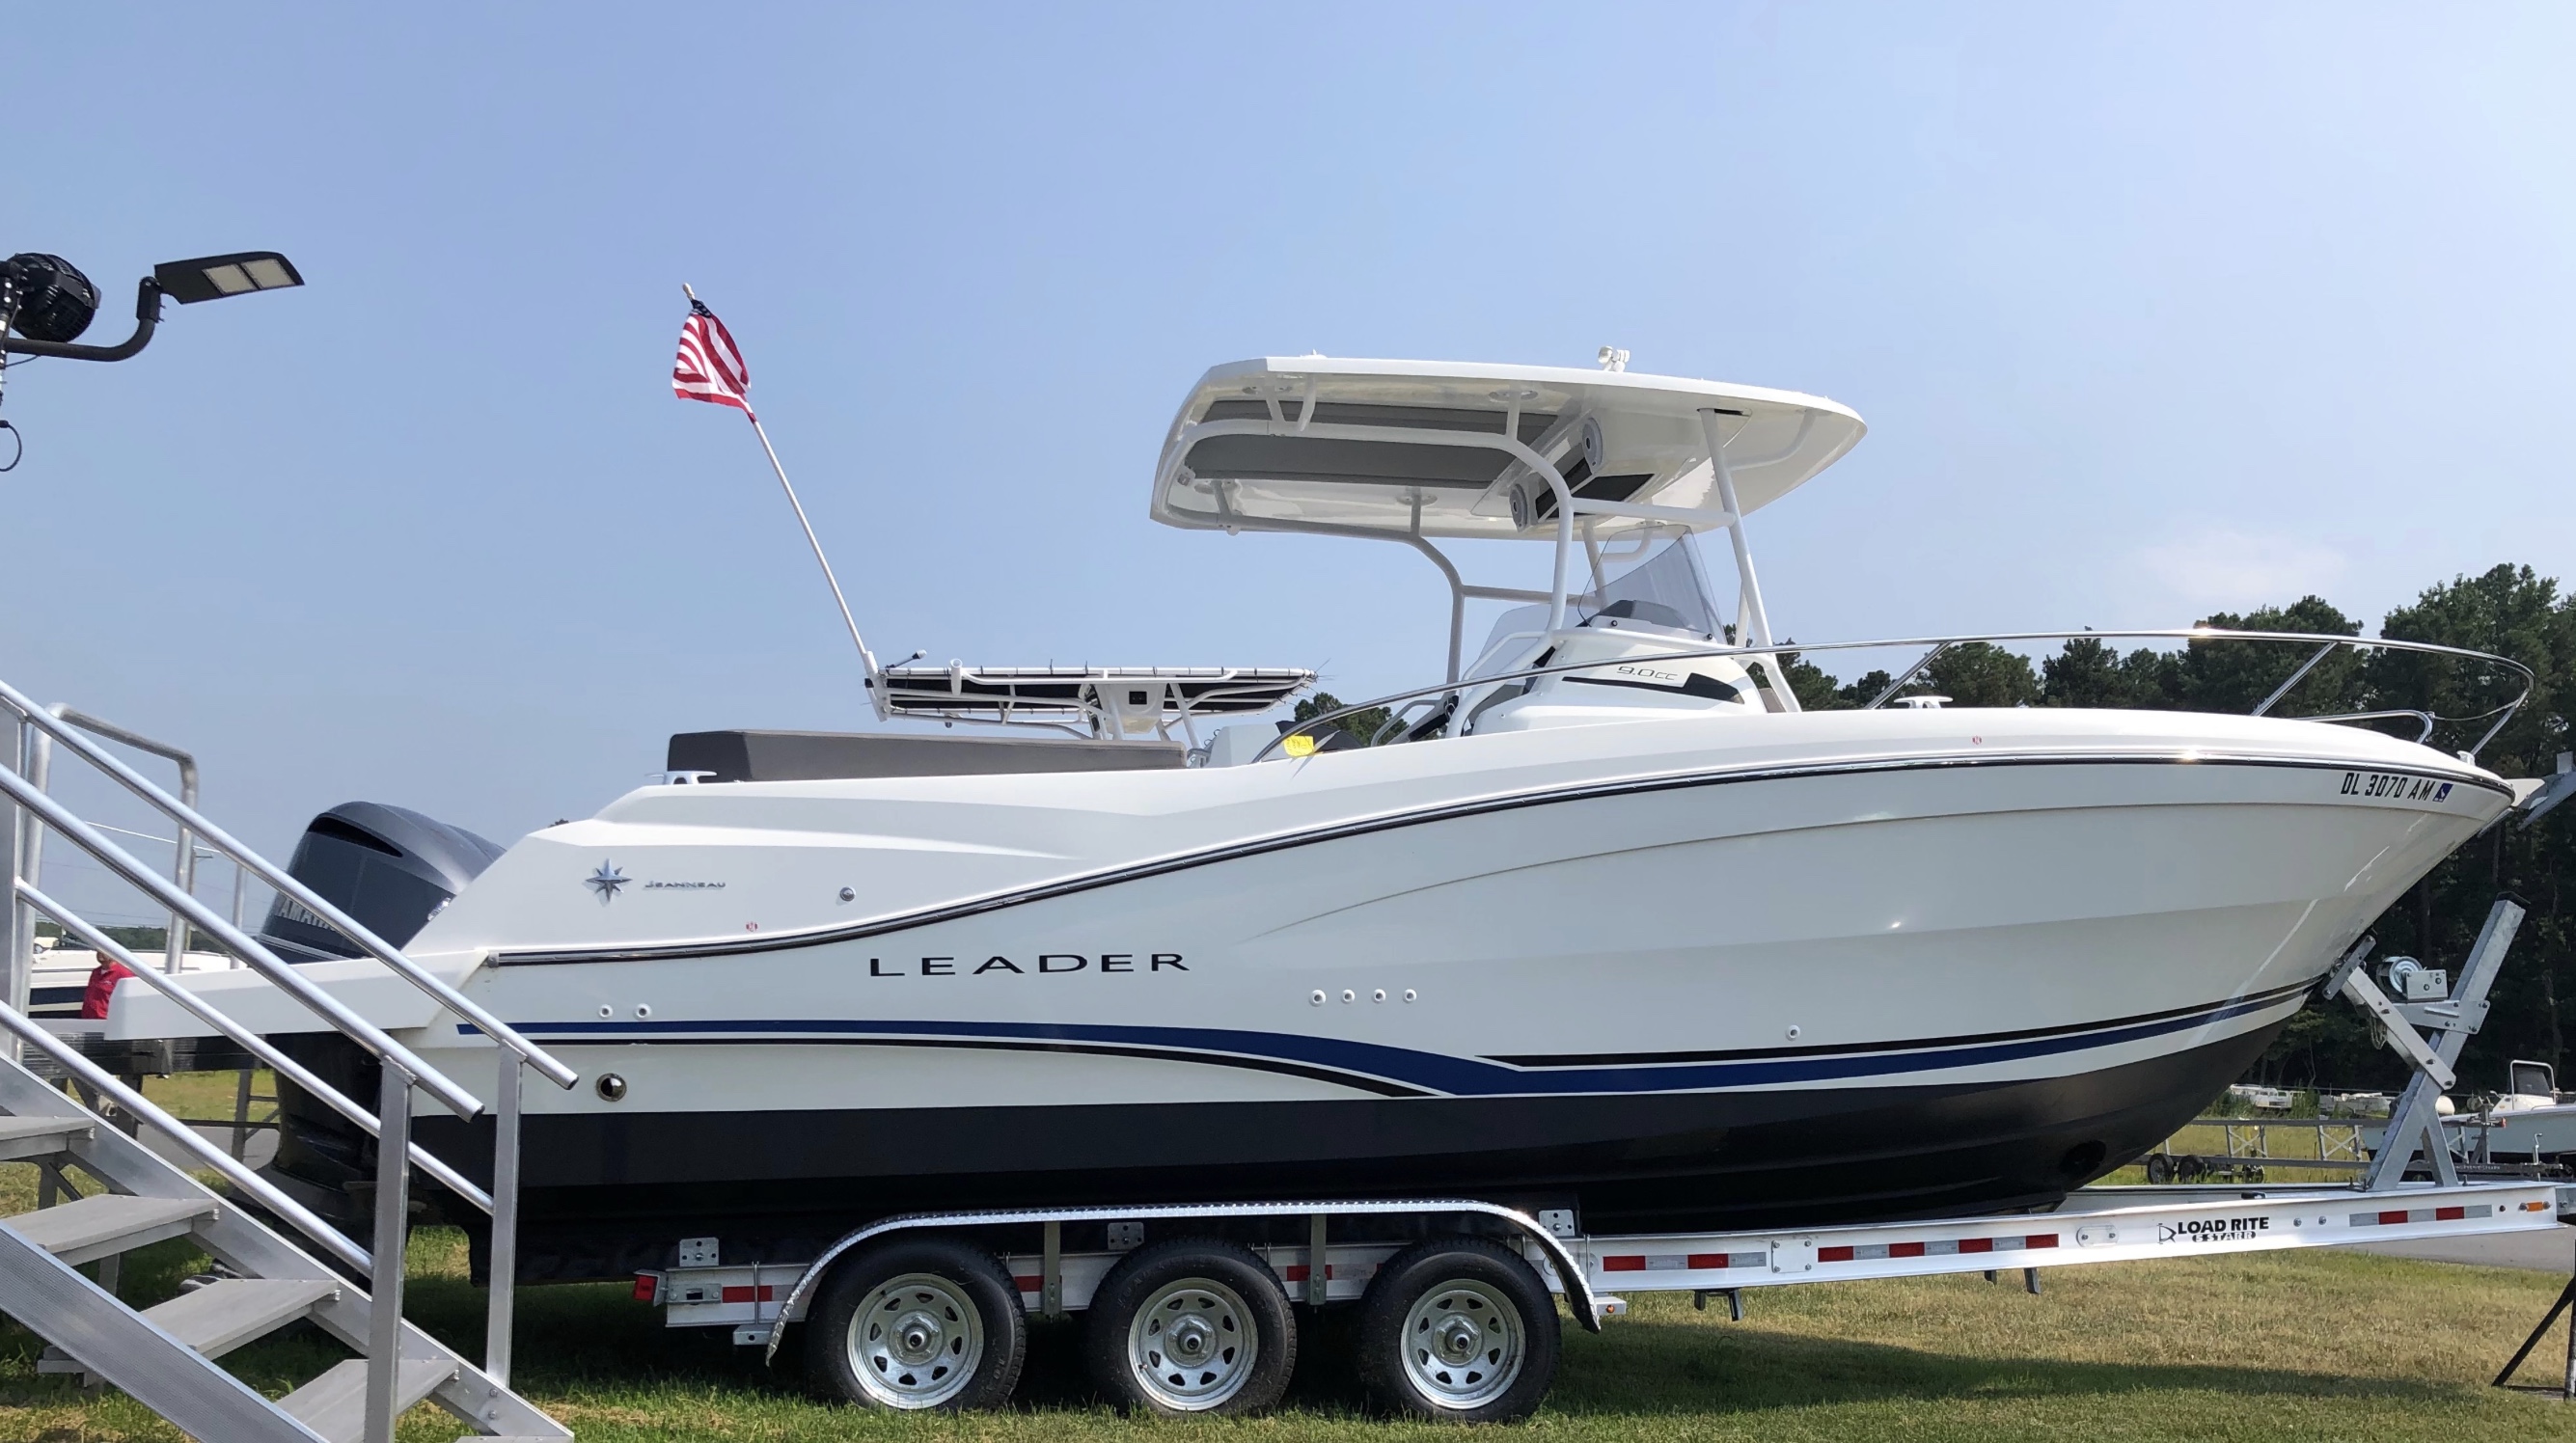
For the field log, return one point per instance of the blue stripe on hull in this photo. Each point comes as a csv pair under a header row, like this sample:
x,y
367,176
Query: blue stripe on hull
x,y
1428,1071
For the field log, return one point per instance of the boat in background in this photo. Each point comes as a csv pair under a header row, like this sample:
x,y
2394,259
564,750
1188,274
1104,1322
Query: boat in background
x,y
59,977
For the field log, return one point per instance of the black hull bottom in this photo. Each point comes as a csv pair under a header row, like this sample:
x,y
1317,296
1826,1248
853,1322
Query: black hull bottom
x,y
607,1195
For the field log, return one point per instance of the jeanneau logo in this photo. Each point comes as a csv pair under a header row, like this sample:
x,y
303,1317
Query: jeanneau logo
x,y
606,881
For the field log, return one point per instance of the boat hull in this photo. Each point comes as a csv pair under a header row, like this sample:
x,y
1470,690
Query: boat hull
x,y
1730,996
607,1196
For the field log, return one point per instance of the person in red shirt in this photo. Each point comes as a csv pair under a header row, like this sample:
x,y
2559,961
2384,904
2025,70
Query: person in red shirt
x,y
102,985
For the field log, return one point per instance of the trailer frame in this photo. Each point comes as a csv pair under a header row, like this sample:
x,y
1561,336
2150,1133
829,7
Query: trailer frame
x,y
2102,1225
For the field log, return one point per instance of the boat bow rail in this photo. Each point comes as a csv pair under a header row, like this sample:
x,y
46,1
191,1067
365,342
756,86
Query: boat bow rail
x,y
1443,695
161,1361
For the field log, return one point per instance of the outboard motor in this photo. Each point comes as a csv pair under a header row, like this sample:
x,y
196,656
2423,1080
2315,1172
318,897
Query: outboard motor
x,y
389,867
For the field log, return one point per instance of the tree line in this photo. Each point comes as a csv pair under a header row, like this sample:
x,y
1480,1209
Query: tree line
x,y
2508,611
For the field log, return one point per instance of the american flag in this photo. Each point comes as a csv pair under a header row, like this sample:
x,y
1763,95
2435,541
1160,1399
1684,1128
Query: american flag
x,y
710,368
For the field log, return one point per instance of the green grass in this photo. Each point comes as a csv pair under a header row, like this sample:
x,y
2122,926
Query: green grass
x,y
210,1096
2285,1346
2288,1139
2325,1346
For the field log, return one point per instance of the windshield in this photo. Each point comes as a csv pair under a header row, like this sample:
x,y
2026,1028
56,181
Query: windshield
x,y
1651,577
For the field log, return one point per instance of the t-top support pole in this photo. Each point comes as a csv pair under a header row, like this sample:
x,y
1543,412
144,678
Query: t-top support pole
x,y
1752,620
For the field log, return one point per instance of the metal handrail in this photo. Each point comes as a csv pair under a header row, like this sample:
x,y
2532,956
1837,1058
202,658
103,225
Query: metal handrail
x,y
248,1041
234,1171
382,951
184,868
401,1069
1003,706
1937,644
322,1004
2427,718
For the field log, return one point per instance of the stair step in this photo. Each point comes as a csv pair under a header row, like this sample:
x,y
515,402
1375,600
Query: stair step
x,y
335,1404
225,1314
220,1316
25,1137
108,1223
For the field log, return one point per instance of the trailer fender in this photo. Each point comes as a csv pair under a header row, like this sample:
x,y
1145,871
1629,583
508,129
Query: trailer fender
x,y
1570,1274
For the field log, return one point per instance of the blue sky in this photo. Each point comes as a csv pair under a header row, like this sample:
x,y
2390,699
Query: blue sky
x,y
2151,309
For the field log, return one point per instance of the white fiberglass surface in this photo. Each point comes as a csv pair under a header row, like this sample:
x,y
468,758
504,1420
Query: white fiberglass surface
x,y
1296,446
1495,902
1992,900
908,843
1784,914
1826,909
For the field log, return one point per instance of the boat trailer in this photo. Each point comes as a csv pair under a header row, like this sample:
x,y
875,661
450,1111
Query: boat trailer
x,y
1326,1251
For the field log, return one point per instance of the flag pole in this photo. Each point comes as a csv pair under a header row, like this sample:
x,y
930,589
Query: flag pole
x,y
867,658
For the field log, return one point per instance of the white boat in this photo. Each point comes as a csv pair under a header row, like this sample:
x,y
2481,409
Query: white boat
x,y
59,976
1619,929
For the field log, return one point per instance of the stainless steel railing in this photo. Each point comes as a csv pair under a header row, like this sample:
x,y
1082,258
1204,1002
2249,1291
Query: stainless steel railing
x,y
2325,643
401,1069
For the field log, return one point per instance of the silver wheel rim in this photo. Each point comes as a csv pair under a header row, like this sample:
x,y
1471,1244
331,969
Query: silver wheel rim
x,y
1463,1344
1192,1344
916,1341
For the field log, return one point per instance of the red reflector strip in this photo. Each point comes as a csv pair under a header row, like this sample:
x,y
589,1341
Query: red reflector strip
x,y
647,1286
1930,1248
1621,1263
741,1293
1028,1282
2460,1213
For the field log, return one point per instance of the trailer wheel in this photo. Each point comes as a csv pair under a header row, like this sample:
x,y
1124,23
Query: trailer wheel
x,y
1458,1329
2159,1169
918,1323
1190,1326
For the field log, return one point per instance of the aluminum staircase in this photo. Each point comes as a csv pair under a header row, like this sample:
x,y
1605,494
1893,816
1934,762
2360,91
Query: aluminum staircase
x,y
166,1356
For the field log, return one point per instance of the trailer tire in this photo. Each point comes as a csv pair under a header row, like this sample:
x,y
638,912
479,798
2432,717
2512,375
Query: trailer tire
x,y
913,1324
1460,1330
1191,1327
